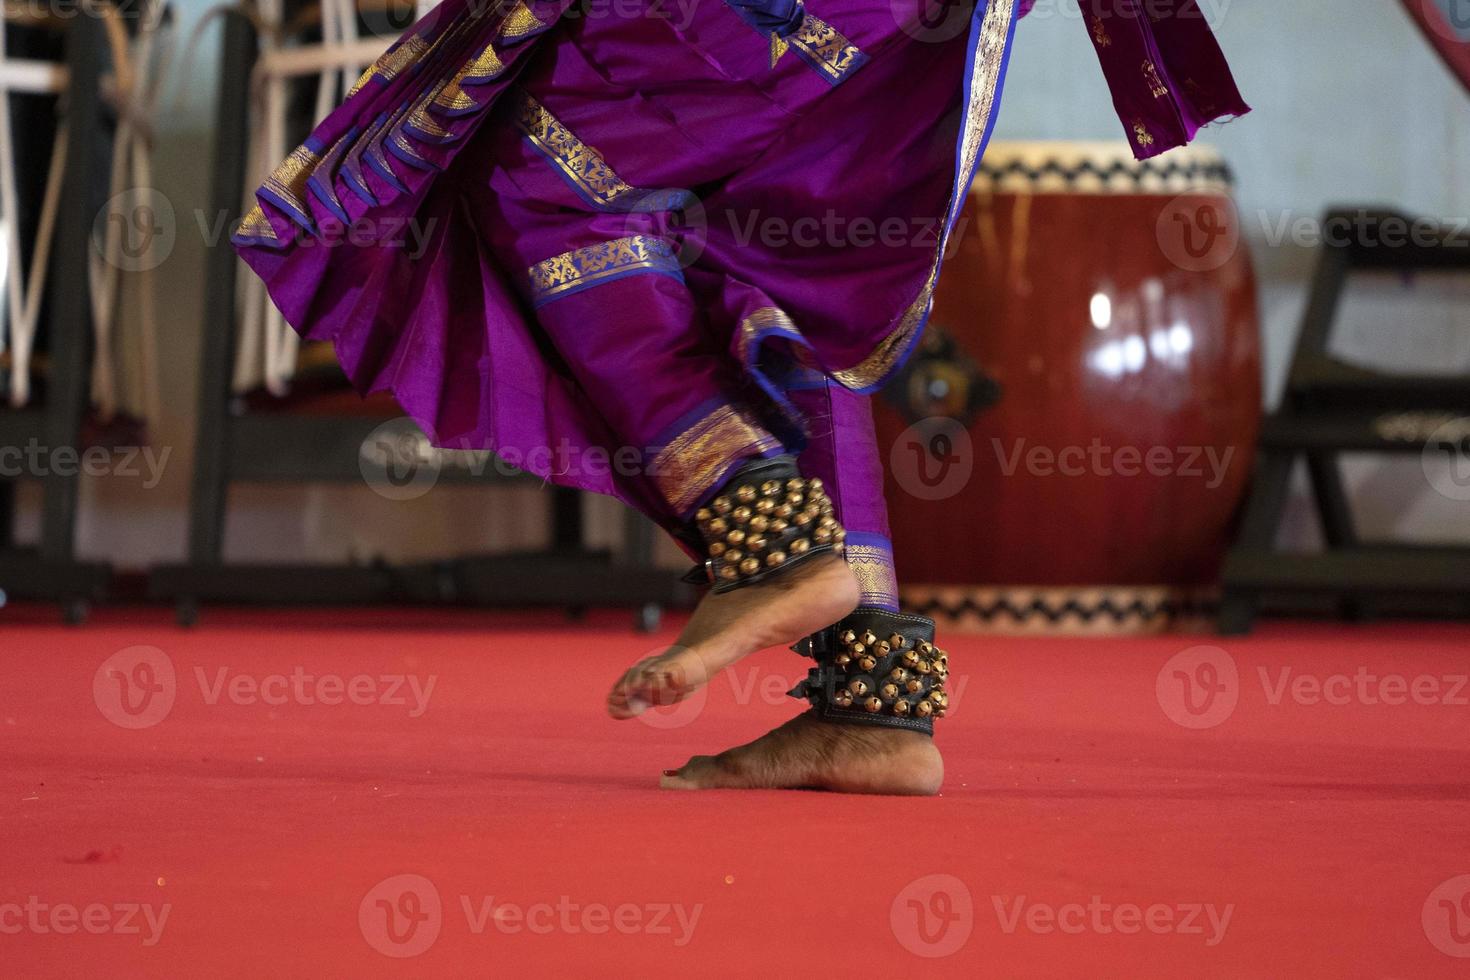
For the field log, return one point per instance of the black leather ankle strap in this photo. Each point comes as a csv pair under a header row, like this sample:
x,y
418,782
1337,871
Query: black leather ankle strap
x,y
766,519
876,668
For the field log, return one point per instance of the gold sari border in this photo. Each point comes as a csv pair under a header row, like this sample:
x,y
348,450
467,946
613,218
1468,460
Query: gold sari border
x,y
691,464
593,265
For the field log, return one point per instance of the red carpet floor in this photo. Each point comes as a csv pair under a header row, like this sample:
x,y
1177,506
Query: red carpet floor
x,y
221,817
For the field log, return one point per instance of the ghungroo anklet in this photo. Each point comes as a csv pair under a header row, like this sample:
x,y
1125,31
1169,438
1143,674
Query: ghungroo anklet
x,y
767,519
876,668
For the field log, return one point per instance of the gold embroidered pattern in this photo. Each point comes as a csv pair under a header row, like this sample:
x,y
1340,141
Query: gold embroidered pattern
x,y
1100,35
577,162
580,268
763,319
985,76
872,565
483,67
689,465
288,181
825,48
255,225
1156,85
520,22
1141,133
392,62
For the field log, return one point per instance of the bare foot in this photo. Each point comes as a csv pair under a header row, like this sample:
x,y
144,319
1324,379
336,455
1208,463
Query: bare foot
x,y
728,627
806,753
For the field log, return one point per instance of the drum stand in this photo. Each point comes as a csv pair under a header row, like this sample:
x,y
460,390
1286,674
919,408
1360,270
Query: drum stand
x,y
1330,408
234,445
52,572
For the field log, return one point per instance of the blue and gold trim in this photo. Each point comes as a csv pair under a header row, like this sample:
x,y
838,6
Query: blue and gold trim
x,y
392,62
521,23
870,556
594,265
826,49
991,31
693,463
583,167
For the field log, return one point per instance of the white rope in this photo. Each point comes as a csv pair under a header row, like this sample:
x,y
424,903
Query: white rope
x,y
23,292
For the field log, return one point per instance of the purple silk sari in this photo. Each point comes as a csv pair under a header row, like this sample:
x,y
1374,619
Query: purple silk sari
x,y
585,240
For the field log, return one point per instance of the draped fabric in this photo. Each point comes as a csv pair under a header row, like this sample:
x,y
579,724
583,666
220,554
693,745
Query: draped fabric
x,y
568,234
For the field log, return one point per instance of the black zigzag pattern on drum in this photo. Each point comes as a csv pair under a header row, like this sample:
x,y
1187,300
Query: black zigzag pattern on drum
x,y
1136,172
1074,609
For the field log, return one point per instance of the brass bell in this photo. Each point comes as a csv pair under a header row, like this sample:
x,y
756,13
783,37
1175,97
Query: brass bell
x,y
937,697
924,667
867,662
771,487
882,648
842,660
898,674
759,523
755,542
728,573
734,555
794,499
778,526
858,687
741,515
745,494
765,505
800,546
873,704
910,657
923,709
722,505
776,558
719,526
784,511
814,484
736,536
856,648
868,638
914,686
896,641
925,647
840,535
827,522
750,566
703,514
890,691
842,699
795,484
821,535
900,707
847,636
716,549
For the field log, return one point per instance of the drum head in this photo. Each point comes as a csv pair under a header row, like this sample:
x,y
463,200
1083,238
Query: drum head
x,y
1446,23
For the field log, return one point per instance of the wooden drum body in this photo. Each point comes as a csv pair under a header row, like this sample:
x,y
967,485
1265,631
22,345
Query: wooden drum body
x,y
1095,335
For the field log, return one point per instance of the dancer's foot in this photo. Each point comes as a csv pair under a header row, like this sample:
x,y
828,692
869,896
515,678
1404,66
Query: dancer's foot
x,y
729,626
806,753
